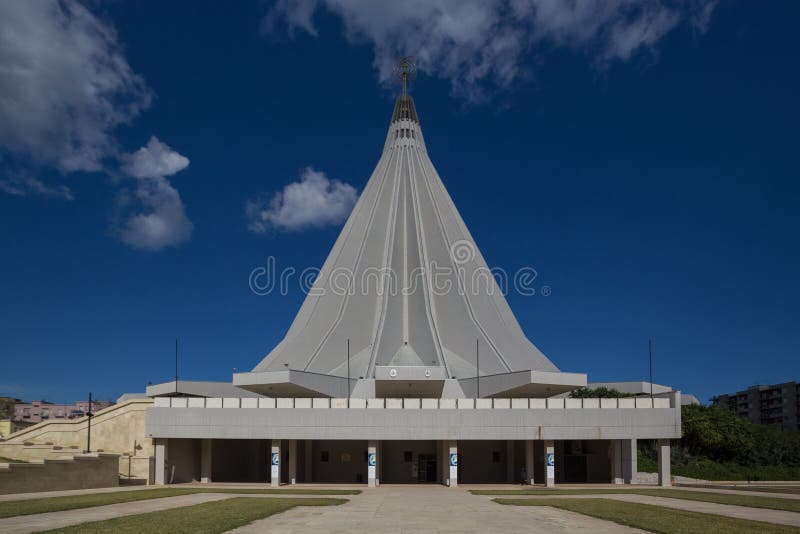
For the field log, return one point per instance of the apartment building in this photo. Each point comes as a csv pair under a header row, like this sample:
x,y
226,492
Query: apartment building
x,y
776,404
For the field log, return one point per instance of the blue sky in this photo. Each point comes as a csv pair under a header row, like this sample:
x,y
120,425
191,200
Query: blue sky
x,y
642,158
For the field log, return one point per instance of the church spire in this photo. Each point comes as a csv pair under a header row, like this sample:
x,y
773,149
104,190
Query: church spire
x,y
405,71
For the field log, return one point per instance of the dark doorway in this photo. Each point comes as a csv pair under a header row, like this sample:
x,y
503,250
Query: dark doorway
x,y
427,468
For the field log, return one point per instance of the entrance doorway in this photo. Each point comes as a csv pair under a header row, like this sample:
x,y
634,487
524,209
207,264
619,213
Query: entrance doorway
x,y
427,469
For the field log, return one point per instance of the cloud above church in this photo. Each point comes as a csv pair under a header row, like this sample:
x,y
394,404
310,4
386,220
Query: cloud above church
x,y
314,201
481,46
151,214
64,85
22,185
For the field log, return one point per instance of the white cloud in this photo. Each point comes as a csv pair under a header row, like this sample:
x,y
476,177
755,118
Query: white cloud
x,y
153,215
64,84
482,45
314,201
155,159
24,185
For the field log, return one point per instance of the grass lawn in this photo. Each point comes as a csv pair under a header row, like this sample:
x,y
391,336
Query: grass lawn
x,y
72,502
761,489
655,518
219,516
4,460
753,501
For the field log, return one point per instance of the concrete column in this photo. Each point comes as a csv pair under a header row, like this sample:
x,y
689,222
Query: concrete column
x,y
292,461
372,463
549,463
629,461
615,457
205,460
664,463
161,461
529,461
511,476
309,454
452,461
275,463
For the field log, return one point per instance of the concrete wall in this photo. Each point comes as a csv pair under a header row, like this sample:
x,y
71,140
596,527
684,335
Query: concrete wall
x,y
80,472
467,423
346,461
241,460
482,462
584,461
114,430
183,461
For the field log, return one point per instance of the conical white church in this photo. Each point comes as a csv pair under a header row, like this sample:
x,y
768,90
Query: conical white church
x,y
405,364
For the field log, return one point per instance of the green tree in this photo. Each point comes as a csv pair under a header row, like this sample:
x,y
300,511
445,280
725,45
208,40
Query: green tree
x,y
598,393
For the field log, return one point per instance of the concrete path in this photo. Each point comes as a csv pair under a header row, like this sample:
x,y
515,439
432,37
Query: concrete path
x,y
50,520
739,512
421,509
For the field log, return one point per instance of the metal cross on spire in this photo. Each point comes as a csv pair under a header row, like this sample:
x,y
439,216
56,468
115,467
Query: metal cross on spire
x,y
406,71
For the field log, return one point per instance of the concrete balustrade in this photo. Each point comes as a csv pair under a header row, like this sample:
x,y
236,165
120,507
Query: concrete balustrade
x,y
415,403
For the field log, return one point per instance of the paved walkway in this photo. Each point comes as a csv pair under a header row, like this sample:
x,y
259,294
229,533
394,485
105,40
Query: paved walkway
x,y
402,509
423,509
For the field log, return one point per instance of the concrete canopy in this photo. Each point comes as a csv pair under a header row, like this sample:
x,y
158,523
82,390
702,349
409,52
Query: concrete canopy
x,y
405,286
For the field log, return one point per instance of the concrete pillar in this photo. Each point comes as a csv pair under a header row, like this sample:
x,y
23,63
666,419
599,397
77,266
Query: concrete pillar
x,y
275,463
372,463
161,461
615,457
511,476
452,460
292,461
309,463
205,460
664,463
529,461
629,461
549,463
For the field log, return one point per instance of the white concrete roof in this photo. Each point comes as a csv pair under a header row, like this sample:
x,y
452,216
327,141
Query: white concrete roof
x,y
404,283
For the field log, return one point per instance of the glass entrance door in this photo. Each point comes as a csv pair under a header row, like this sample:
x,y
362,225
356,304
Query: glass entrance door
x,y
427,468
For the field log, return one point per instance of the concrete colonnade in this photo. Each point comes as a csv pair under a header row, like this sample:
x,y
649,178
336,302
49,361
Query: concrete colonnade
x,y
520,461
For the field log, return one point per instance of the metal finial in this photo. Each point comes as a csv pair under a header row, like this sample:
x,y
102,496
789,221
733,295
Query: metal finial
x,y
405,70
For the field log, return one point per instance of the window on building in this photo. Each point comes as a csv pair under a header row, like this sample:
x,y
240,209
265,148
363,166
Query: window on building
x,y
323,456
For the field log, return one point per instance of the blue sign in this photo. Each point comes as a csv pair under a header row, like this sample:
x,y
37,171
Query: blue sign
x,y
276,458
371,459
454,459
551,459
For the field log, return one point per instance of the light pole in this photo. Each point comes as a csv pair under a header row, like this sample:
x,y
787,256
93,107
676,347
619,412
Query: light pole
x,y
89,415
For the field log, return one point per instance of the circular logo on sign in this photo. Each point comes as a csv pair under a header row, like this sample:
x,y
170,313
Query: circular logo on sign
x,y
275,458
551,460
454,460
371,459
393,373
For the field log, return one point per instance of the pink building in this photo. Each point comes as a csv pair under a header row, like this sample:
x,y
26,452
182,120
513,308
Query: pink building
x,y
40,410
